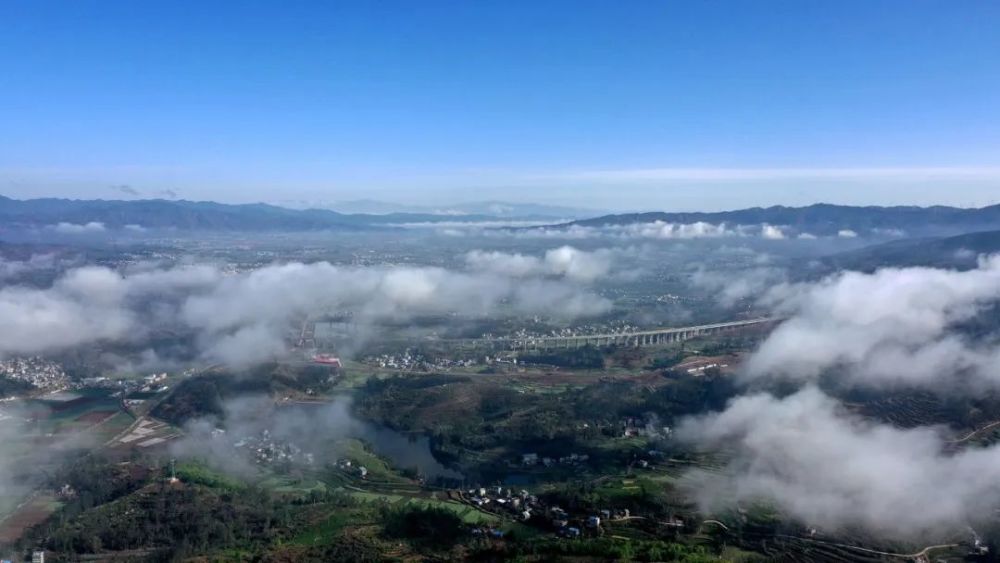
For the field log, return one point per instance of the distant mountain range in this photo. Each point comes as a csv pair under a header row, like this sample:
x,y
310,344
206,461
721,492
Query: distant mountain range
x,y
180,215
497,209
199,216
826,219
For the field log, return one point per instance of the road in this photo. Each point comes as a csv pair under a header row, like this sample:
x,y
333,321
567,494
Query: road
x,y
922,553
976,432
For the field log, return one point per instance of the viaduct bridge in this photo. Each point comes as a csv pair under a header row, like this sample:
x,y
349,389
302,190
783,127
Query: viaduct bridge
x,y
635,339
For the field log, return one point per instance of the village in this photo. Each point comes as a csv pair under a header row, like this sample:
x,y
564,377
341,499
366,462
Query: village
x,y
36,371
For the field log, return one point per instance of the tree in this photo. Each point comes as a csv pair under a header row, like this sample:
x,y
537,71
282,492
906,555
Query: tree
x,y
430,526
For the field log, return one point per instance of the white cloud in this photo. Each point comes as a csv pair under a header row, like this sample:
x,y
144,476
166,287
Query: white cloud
x,y
13,268
75,229
847,233
894,233
653,230
664,230
565,261
732,286
771,232
245,318
819,463
85,306
833,470
891,327
571,232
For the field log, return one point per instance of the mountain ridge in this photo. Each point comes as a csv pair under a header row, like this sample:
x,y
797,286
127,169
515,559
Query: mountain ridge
x,y
824,218
187,215
197,215
959,251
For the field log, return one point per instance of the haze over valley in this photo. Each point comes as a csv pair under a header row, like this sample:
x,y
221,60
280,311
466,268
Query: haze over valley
x,y
515,281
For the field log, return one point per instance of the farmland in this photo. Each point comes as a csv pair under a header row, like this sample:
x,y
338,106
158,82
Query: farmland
x,y
479,426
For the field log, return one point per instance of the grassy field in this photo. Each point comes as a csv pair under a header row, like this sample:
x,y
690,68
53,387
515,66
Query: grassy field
x,y
114,425
328,528
192,472
468,514
378,468
36,509
293,486
94,406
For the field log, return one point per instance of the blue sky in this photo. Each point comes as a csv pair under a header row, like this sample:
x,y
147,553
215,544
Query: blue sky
x,y
606,104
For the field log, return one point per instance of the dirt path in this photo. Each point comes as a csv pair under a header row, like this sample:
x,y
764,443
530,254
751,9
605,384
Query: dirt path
x,y
973,434
922,553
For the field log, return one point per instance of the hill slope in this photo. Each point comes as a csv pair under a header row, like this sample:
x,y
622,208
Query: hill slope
x,y
960,251
194,215
827,219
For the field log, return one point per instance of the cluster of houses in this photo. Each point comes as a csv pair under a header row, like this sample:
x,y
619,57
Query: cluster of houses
x,y
500,499
66,492
615,327
348,466
508,359
408,361
634,426
574,528
524,506
396,361
35,370
154,382
700,369
265,450
151,382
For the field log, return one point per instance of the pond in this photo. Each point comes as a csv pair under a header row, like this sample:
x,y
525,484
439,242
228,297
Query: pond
x,y
334,418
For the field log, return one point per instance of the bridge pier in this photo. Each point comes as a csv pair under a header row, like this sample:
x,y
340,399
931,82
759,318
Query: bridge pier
x,y
636,340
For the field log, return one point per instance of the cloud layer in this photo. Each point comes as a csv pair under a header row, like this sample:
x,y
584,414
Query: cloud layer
x,y
834,470
661,230
891,327
729,287
245,318
805,452
565,261
81,229
14,268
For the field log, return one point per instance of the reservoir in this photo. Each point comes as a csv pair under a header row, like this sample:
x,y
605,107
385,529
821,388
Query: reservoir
x,y
334,418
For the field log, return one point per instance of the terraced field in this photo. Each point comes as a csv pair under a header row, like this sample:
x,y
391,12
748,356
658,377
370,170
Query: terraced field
x,y
907,410
32,511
